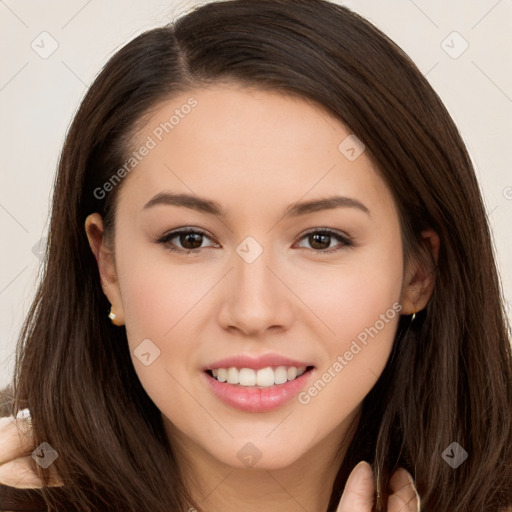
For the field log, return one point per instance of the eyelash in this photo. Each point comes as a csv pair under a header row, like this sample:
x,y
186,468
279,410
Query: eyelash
x,y
347,242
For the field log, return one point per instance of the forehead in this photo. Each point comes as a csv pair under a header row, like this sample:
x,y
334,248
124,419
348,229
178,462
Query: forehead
x,y
250,144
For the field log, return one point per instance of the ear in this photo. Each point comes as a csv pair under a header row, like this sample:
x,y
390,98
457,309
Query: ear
x,y
419,276
106,264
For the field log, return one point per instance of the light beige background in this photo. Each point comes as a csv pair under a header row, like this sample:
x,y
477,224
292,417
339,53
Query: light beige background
x,y
38,97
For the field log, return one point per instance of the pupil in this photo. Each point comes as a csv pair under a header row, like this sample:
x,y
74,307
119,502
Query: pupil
x,y
184,237
316,238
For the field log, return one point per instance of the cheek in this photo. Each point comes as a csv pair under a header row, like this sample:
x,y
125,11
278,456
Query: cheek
x,y
155,308
353,358
351,296
168,305
158,298
360,305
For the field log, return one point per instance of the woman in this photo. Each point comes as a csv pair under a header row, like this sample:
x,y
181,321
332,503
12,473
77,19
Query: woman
x,y
346,306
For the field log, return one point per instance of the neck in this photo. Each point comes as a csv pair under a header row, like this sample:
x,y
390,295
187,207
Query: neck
x,y
304,485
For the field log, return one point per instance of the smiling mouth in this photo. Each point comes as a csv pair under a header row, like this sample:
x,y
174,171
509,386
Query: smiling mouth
x,y
260,378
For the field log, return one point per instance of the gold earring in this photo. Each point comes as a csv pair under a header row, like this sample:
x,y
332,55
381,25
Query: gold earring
x,y
413,317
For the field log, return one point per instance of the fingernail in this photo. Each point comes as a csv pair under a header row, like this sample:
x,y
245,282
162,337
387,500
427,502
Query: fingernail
x,y
358,469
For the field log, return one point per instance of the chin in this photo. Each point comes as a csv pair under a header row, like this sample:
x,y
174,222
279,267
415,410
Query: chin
x,y
258,453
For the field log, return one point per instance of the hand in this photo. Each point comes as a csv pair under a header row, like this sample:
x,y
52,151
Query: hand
x,y
360,490
17,468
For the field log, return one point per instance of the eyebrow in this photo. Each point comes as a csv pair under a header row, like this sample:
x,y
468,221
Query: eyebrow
x,y
213,208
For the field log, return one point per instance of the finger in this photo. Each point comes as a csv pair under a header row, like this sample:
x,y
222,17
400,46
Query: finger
x,y
15,438
405,498
21,473
358,495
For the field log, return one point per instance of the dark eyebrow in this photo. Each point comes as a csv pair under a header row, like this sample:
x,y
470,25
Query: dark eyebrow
x,y
325,204
187,201
213,208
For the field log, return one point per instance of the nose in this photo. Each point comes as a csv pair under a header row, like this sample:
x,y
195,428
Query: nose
x,y
255,297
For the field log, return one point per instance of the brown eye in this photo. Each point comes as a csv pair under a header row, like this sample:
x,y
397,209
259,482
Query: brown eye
x,y
320,240
185,240
190,240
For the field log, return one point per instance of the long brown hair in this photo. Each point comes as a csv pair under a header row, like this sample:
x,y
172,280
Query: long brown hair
x,y
449,377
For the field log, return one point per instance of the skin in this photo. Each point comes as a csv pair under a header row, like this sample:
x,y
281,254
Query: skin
x,y
256,153
17,470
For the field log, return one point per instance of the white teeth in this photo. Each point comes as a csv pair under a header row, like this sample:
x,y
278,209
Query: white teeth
x,y
233,376
291,373
264,377
280,375
247,377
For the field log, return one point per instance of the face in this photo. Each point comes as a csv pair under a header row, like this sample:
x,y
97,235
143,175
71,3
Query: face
x,y
267,278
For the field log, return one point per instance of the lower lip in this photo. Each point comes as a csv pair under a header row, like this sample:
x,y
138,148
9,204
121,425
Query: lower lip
x,y
253,399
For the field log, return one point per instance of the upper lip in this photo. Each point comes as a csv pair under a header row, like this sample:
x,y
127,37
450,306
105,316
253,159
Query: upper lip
x,y
256,362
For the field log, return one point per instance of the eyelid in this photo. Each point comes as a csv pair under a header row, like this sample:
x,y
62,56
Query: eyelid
x,y
325,230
